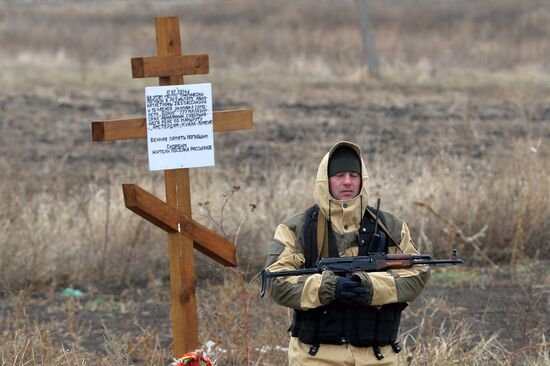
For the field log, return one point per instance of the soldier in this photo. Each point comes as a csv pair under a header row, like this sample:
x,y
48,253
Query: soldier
x,y
338,320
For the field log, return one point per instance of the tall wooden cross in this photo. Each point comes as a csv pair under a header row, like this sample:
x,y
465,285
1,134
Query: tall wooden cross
x,y
174,215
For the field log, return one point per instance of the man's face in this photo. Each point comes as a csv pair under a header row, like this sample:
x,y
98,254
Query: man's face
x,y
345,185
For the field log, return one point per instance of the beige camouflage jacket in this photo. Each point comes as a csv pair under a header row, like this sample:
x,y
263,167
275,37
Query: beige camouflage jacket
x,y
286,251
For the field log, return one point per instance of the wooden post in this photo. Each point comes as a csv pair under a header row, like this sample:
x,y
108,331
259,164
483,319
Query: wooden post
x,y
174,216
178,196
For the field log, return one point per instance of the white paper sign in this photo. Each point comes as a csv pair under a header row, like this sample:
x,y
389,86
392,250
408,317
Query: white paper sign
x,y
180,132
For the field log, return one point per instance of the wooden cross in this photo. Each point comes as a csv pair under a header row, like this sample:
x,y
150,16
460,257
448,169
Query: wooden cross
x,y
174,215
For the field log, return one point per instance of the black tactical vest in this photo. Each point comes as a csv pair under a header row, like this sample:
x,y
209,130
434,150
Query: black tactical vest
x,y
338,323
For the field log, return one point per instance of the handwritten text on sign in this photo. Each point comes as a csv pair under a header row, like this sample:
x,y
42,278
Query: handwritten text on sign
x,y
180,132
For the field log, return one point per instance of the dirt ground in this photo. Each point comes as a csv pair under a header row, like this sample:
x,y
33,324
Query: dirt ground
x,y
505,304
45,132
510,304
454,99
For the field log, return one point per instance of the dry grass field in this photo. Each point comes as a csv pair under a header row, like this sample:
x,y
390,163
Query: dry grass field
x,y
456,135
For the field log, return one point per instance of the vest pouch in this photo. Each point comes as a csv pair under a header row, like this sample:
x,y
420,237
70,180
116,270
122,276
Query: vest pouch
x,y
365,329
331,323
387,323
304,326
319,325
322,325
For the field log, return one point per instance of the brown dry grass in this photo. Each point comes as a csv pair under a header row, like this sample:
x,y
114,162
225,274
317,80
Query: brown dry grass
x,y
443,333
458,123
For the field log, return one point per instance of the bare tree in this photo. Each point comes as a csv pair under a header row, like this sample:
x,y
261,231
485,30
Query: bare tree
x,y
369,47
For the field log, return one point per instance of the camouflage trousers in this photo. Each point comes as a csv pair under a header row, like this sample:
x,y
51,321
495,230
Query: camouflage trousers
x,y
338,355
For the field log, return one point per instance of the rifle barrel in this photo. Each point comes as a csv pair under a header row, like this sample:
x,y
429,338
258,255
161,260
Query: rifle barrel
x,y
436,262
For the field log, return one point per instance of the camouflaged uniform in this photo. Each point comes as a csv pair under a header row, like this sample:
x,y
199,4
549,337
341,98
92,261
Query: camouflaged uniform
x,y
286,252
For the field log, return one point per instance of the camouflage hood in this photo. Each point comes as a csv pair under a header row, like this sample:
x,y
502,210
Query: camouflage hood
x,y
345,215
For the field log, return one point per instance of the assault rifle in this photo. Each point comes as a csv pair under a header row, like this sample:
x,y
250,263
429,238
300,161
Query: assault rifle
x,y
375,262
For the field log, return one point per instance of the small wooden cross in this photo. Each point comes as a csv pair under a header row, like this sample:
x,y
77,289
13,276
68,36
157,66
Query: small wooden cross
x,y
174,215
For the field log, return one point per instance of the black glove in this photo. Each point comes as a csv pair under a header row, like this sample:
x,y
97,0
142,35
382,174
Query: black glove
x,y
349,291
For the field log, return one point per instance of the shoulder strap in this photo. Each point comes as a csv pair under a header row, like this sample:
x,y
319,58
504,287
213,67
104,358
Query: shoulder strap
x,y
318,241
310,236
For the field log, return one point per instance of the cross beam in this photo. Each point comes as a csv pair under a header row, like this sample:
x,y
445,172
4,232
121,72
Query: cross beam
x,y
136,128
174,215
170,220
148,67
